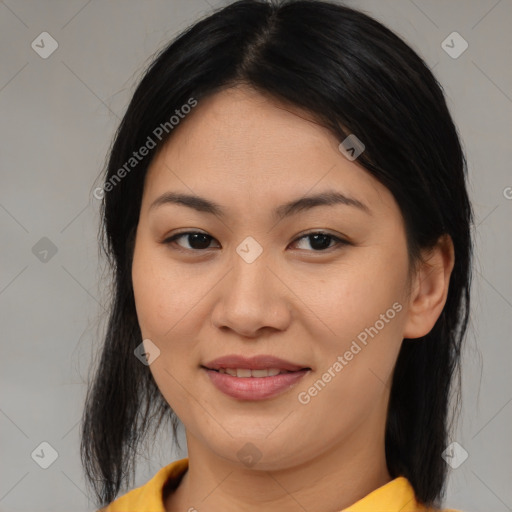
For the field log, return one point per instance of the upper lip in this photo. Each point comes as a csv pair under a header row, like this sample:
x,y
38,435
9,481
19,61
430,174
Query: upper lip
x,y
260,362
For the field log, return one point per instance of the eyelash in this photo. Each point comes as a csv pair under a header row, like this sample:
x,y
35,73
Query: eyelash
x,y
340,242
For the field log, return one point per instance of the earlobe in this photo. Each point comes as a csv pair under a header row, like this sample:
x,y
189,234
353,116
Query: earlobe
x,y
430,289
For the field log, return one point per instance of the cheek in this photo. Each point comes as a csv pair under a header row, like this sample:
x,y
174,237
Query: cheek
x,y
358,292
147,290
164,298
353,377
364,311
163,292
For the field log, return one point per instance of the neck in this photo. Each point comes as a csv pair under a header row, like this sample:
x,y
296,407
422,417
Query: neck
x,y
335,479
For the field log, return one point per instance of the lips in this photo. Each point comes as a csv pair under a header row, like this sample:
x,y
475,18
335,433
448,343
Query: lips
x,y
253,378
260,362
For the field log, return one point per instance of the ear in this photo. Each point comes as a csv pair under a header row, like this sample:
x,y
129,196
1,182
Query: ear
x,y
430,289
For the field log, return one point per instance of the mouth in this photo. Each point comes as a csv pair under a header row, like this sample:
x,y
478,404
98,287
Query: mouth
x,y
245,373
256,378
265,362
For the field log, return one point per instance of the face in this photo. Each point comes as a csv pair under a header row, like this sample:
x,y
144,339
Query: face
x,y
323,287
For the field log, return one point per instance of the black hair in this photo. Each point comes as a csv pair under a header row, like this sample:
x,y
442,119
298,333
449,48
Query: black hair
x,y
355,76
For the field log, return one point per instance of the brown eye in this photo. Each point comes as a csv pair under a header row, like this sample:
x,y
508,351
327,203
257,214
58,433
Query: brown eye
x,y
320,241
197,241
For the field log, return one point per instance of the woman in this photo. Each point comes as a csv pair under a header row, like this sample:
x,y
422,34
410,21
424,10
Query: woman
x,y
286,216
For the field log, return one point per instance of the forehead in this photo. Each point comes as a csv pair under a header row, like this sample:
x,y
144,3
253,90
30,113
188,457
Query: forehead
x,y
239,145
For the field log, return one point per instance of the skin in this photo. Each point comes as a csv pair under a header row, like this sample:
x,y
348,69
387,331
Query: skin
x,y
250,153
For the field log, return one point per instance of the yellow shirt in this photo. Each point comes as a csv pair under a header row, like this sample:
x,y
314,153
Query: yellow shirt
x,y
395,496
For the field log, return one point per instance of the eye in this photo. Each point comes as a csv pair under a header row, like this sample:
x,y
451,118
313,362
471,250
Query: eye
x,y
199,241
320,240
196,239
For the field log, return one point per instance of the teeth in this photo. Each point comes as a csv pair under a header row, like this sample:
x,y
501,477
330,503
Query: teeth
x,y
245,372
258,373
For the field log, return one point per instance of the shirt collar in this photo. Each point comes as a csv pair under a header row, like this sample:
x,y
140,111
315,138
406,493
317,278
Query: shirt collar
x,y
394,496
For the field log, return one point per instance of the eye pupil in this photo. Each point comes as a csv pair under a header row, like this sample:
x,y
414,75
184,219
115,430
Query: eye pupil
x,y
204,240
324,241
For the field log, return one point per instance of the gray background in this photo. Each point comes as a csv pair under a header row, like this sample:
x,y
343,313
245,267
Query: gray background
x,y
58,118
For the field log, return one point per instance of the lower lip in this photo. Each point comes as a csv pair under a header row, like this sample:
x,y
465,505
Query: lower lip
x,y
254,388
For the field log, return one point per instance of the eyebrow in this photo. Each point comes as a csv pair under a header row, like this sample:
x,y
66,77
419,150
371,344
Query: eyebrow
x,y
201,204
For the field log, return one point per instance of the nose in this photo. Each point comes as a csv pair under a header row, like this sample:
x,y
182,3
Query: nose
x,y
252,299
